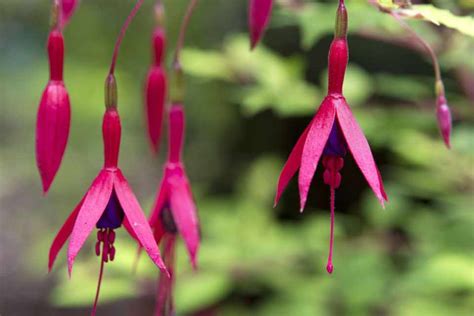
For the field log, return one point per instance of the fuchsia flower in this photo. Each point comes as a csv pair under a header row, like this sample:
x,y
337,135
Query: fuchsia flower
x,y
67,10
156,85
259,16
107,205
443,114
54,114
330,133
174,211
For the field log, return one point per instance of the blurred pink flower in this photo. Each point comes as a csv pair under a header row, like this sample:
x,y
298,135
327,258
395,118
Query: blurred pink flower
x,y
259,16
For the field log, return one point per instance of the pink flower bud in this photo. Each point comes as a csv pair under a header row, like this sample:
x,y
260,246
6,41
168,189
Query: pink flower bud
x,y
259,16
444,120
155,91
52,131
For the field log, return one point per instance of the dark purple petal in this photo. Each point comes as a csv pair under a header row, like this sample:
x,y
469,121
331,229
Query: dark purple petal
x,y
113,214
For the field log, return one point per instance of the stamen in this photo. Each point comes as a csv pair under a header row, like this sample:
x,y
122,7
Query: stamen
x,y
329,266
332,177
106,237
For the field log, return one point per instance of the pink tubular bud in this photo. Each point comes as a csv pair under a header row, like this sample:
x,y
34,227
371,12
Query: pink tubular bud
x,y
56,55
443,115
337,63
155,97
176,134
52,131
259,16
111,132
159,45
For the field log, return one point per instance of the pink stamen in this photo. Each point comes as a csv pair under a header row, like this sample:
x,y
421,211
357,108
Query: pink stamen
x,y
106,237
332,177
329,266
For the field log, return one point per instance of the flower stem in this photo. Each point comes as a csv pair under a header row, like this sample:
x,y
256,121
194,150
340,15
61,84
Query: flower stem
x,y
182,31
129,19
427,47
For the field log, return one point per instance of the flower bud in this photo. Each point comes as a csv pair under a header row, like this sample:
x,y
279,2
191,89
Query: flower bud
x,y
155,97
259,16
67,10
443,115
52,131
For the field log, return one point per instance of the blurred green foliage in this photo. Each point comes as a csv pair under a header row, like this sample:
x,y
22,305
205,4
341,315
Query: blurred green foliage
x,y
245,111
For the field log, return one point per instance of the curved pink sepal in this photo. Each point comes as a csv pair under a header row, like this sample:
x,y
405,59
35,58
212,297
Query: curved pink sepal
x,y
92,208
360,150
63,235
259,16
316,140
136,218
291,166
52,131
184,213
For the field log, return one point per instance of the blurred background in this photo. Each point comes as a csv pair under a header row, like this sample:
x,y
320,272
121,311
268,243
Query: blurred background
x,y
245,111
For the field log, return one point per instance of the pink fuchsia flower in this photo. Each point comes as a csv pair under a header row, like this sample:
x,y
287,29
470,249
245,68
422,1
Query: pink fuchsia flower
x,y
443,114
259,16
107,204
155,90
332,131
54,115
67,10
174,211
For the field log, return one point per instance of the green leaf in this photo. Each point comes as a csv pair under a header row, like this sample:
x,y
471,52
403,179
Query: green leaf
x,y
463,24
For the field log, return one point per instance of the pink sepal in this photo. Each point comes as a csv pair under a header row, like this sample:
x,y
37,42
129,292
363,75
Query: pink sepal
x,y
360,149
94,204
184,212
259,16
316,140
292,165
63,235
52,131
136,218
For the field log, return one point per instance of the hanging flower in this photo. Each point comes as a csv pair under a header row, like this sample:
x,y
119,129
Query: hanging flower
x,y
54,112
332,131
174,212
156,84
67,10
107,204
259,16
443,114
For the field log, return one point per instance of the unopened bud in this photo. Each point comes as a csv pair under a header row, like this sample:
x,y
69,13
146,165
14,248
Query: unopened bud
x,y
443,115
110,92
